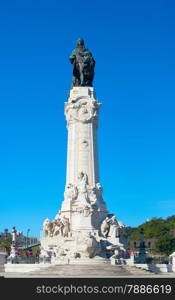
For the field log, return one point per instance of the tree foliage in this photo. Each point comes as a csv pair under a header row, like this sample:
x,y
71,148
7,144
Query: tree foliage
x,y
5,245
162,230
165,244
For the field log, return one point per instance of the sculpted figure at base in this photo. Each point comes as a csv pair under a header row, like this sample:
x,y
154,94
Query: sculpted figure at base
x,y
105,227
114,227
65,226
99,192
82,190
87,245
93,197
71,192
57,225
60,226
47,227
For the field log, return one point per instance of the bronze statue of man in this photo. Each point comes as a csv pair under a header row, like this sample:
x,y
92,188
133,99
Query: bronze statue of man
x,y
83,65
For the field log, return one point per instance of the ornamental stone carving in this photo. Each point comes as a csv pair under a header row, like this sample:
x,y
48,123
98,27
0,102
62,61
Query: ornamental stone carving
x,y
83,197
65,227
86,211
88,198
110,227
93,196
105,227
71,192
83,110
84,144
47,227
115,227
87,245
59,227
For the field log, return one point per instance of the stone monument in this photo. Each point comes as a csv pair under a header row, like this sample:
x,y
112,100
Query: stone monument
x,y
83,230
12,256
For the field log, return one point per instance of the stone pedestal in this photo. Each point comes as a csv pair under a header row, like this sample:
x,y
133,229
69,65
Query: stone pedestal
x,y
83,203
82,229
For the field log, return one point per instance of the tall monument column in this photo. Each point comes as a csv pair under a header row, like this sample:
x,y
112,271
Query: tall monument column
x,y
82,229
82,179
81,112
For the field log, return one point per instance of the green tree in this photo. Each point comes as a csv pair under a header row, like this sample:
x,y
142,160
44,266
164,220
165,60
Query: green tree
x,y
35,249
165,244
159,229
6,245
128,231
170,222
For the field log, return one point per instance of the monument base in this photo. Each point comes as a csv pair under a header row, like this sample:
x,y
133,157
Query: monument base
x,y
81,247
82,231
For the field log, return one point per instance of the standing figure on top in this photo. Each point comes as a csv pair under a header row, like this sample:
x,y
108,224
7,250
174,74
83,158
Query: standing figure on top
x,y
83,65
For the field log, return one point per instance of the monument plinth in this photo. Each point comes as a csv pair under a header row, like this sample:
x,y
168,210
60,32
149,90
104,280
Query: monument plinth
x,y
83,203
83,229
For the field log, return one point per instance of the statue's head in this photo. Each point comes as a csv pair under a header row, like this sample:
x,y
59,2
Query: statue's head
x,y
80,43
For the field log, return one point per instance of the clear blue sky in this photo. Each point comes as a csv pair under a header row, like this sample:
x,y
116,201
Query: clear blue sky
x,y
133,43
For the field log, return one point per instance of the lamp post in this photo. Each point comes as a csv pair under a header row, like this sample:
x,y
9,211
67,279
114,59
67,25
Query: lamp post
x,y
28,230
142,252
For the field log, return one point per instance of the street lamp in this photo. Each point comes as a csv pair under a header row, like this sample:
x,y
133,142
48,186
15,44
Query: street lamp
x,y
27,237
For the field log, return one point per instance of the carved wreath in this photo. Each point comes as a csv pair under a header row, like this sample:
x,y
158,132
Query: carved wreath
x,y
82,111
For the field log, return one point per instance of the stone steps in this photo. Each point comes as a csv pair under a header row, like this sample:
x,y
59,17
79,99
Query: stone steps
x,y
138,271
90,270
2,269
2,261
